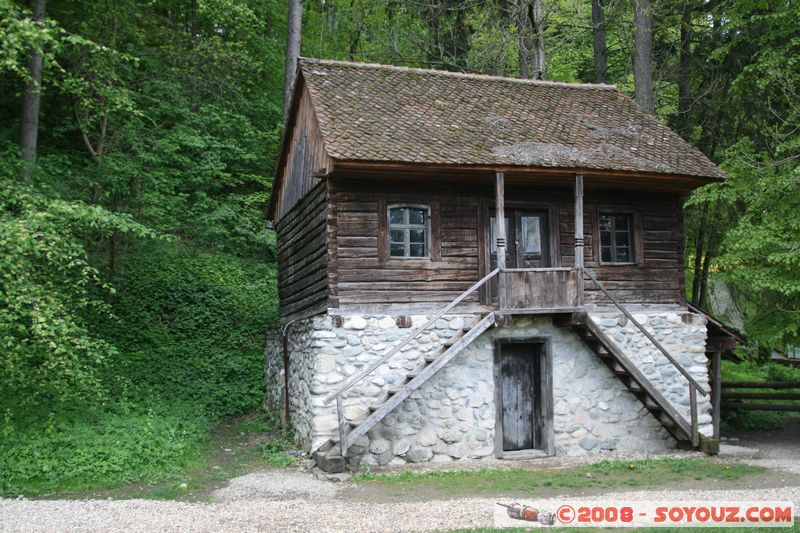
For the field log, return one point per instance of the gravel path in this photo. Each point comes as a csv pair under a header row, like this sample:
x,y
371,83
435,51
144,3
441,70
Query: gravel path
x,y
298,501
300,514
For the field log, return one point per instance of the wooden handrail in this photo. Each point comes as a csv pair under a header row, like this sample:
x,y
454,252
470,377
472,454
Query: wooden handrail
x,y
358,377
647,334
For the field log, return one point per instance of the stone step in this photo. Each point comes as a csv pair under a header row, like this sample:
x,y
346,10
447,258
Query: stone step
x,y
330,461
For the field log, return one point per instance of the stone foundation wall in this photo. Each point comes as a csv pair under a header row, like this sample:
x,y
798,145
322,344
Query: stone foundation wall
x,y
684,337
452,416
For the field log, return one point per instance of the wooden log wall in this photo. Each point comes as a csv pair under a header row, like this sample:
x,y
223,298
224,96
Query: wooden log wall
x,y
306,156
362,276
657,273
302,256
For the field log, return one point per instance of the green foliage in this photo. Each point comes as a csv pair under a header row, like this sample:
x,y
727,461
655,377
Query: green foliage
x,y
191,328
755,420
274,451
100,451
50,294
533,482
137,272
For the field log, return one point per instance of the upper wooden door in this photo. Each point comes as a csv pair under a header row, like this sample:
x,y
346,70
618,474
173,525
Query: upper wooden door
x,y
527,239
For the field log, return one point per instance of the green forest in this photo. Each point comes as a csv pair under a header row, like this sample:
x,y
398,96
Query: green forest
x,y
137,152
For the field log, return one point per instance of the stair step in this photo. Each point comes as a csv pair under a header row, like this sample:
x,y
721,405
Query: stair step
x,y
432,358
667,422
618,369
602,352
635,387
414,373
650,404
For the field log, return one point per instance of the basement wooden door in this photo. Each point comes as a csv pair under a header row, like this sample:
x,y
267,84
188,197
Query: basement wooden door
x,y
522,392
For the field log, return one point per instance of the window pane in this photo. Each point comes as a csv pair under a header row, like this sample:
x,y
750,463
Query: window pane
x,y
623,255
531,236
622,238
396,235
621,222
605,223
417,250
416,216
396,215
605,238
606,254
397,250
417,235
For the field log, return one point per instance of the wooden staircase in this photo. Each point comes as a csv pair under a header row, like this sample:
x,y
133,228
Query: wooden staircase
x,y
636,382
331,456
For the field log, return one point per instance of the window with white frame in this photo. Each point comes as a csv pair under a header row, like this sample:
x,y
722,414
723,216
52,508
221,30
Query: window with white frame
x,y
409,231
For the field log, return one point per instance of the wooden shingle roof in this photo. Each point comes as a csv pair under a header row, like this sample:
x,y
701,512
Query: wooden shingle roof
x,y
385,113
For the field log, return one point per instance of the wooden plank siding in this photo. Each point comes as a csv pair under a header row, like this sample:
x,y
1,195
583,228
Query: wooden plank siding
x,y
303,256
363,276
305,158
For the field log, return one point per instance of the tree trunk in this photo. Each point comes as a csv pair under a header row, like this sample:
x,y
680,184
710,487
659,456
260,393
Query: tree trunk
x,y
31,96
703,301
699,247
524,39
685,71
643,54
292,52
536,13
599,42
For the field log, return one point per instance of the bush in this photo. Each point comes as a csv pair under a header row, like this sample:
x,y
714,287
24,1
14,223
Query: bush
x,y
191,328
81,453
188,340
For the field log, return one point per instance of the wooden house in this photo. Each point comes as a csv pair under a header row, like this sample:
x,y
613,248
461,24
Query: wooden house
x,y
417,328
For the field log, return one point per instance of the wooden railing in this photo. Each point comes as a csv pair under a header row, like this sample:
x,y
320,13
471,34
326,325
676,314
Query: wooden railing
x,y
388,355
539,289
694,386
731,399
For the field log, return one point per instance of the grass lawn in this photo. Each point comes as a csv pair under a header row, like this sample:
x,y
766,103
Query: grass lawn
x,y
236,447
545,482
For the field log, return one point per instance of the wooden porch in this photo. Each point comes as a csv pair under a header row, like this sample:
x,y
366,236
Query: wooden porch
x,y
539,290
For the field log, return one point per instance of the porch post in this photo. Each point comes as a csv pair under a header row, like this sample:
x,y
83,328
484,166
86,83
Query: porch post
x,y
500,217
579,235
500,235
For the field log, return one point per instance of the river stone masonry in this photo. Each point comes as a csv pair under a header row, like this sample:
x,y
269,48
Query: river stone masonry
x,y
452,416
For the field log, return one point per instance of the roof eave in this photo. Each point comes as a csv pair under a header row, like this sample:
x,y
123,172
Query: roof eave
x,y
353,164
